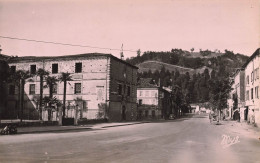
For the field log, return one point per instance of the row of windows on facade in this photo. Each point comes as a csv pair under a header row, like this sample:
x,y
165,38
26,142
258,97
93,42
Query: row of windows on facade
x,y
254,76
147,101
77,89
55,68
124,89
252,93
148,94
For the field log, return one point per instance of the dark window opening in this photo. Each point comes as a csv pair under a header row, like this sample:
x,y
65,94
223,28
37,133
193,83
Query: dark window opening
x,y
11,89
128,91
140,102
85,105
55,68
119,89
252,93
77,88
33,69
78,68
32,89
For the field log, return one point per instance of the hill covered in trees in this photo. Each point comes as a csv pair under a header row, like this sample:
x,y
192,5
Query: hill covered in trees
x,y
200,76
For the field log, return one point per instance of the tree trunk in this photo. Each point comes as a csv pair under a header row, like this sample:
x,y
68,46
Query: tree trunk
x,y
22,99
64,98
41,94
50,107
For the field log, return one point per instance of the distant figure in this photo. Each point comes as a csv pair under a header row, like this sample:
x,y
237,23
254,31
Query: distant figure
x,y
211,116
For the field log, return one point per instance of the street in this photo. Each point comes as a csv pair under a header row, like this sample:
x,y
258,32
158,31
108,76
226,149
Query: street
x,y
189,139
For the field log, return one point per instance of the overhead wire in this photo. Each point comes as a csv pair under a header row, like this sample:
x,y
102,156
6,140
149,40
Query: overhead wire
x,y
64,44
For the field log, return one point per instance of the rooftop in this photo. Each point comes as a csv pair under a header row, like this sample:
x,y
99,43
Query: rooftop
x,y
146,83
251,57
66,57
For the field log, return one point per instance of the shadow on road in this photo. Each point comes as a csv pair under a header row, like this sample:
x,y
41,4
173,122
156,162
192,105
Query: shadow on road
x,y
59,131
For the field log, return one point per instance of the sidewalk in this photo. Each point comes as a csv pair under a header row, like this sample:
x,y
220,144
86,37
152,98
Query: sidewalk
x,y
243,127
46,129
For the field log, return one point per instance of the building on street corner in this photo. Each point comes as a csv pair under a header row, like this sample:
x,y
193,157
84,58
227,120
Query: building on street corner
x,y
252,82
102,86
154,102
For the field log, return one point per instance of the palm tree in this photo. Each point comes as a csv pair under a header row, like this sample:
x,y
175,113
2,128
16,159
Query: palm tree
x,y
42,74
19,79
50,81
64,78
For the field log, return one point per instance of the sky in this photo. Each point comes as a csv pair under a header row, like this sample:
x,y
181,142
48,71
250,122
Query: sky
x,y
149,25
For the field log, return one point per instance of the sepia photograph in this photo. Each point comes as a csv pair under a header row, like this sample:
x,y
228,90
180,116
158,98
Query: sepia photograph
x,y
129,81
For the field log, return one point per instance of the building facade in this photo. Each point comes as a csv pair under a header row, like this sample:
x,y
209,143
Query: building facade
x,y
153,101
252,82
238,95
102,86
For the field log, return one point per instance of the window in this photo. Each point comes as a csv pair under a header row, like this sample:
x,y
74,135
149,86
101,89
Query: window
x,y
55,68
140,102
55,89
247,95
32,89
119,89
128,91
256,92
140,93
247,79
11,89
252,76
124,89
252,93
77,88
13,69
33,69
78,67
85,105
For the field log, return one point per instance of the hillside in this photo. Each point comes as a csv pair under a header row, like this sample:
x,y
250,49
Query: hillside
x,y
196,77
157,65
192,62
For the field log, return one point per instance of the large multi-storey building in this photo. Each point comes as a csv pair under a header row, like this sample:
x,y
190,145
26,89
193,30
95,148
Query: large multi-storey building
x,y
252,82
102,85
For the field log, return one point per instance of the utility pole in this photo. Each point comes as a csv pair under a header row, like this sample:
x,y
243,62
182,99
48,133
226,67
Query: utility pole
x,y
122,52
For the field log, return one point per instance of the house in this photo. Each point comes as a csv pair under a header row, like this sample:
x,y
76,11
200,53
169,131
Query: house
x,y
252,82
102,86
154,102
237,96
195,108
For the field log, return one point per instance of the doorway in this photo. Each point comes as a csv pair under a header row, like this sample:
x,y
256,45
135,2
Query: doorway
x,y
123,113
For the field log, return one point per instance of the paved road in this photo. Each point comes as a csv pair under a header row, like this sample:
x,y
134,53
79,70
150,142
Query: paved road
x,y
190,139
